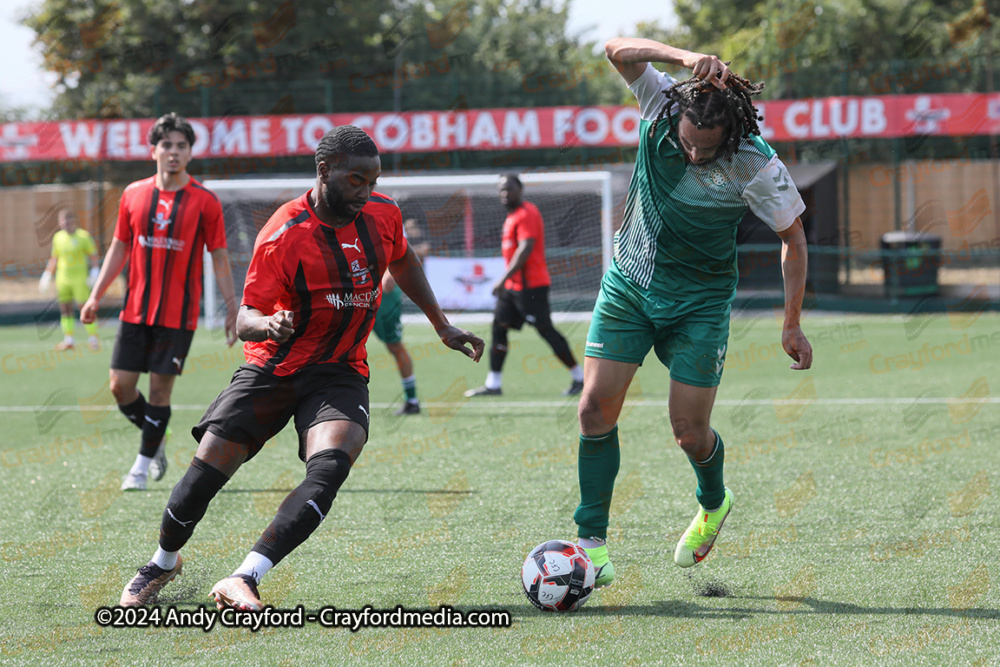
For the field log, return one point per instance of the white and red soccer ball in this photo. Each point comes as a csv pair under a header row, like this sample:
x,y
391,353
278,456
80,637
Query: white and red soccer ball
x,y
558,576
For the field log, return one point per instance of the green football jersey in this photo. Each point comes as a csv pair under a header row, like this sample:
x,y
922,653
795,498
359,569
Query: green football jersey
x,y
678,237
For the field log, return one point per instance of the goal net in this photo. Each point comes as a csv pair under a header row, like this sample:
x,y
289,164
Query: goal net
x,y
456,221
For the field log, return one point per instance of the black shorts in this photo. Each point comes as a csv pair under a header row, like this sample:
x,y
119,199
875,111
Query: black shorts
x,y
257,405
514,308
146,349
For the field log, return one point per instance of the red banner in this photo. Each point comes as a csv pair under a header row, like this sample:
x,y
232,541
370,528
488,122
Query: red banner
x,y
884,116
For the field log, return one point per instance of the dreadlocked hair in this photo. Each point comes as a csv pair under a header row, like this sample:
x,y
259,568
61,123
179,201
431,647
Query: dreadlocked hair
x,y
707,106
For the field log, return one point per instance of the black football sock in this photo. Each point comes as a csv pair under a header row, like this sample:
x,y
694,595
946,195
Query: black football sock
x,y
188,502
559,345
135,411
498,348
153,429
306,506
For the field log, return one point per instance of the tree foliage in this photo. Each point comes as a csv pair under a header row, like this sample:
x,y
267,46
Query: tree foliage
x,y
812,48
135,58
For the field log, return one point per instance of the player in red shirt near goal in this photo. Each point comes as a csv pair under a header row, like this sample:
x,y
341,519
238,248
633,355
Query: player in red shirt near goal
x,y
164,224
311,295
523,290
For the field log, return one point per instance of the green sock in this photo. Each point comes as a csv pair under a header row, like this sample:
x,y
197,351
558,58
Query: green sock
x,y
66,322
711,489
91,328
598,460
410,388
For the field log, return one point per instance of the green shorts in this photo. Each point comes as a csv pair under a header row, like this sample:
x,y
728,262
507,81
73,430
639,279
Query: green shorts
x,y
388,323
72,290
689,337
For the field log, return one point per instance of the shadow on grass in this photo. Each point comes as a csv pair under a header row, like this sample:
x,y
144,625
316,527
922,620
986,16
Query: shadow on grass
x,y
191,594
689,609
415,491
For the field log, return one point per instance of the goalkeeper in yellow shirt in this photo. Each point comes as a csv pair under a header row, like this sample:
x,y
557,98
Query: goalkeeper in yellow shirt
x,y
72,247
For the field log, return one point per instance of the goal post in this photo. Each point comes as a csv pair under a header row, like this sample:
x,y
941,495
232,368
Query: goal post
x,y
457,219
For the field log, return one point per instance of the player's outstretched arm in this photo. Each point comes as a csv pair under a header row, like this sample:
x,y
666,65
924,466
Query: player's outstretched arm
x,y
224,279
113,263
409,275
794,262
629,55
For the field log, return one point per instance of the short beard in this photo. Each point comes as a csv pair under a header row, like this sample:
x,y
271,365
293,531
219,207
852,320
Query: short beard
x,y
335,202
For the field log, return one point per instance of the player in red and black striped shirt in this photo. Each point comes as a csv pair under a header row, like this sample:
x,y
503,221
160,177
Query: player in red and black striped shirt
x,y
309,304
327,277
164,223
523,290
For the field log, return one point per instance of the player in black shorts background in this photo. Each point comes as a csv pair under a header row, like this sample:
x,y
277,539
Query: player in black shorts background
x,y
523,290
165,222
312,291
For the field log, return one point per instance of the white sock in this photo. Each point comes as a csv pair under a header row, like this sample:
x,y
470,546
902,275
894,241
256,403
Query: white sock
x,y
141,465
494,379
165,559
591,542
255,565
577,373
68,340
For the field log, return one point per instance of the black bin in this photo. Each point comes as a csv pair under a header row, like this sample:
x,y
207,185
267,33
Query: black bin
x,y
910,261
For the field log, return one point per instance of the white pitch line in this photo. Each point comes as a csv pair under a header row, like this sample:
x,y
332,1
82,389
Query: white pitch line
x,y
725,402
518,405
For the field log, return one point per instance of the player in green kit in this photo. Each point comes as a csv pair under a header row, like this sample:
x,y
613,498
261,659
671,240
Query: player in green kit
x,y
700,165
389,324
72,248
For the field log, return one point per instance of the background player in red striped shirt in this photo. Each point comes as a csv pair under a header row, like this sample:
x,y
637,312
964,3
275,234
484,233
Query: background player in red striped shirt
x,y
523,290
164,223
309,304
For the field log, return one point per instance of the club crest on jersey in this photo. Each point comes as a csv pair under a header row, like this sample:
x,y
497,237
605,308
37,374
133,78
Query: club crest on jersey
x,y
359,275
162,219
717,178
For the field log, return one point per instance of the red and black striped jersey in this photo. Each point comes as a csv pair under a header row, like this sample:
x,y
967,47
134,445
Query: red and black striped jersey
x,y
166,233
329,278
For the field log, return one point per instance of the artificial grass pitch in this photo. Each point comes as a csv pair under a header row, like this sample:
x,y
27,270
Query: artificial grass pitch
x,y
864,528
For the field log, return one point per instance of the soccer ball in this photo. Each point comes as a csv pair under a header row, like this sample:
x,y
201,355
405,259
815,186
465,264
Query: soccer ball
x,y
558,576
